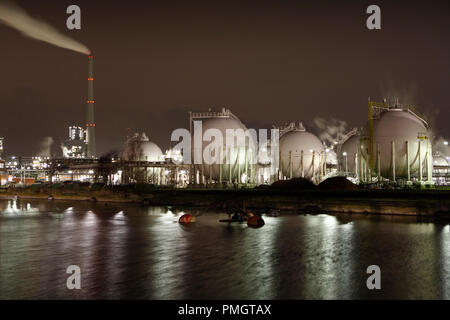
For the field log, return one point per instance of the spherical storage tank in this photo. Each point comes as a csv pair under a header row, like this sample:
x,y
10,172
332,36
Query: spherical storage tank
x,y
300,152
150,152
235,154
348,151
400,127
140,148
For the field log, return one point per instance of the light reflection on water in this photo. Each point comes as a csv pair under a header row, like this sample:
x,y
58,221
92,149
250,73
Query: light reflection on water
x,y
141,252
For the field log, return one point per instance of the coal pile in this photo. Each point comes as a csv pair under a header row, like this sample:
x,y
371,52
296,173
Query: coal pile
x,y
337,183
293,184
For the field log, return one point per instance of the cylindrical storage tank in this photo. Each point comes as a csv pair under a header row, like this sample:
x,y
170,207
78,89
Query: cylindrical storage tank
x,y
301,154
348,153
235,157
395,132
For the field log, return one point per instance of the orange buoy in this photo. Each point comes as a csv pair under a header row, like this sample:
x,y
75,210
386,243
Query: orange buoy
x,y
255,221
186,218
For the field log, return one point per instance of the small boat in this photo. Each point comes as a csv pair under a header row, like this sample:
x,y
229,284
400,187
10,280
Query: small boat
x,y
186,218
255,222
237,217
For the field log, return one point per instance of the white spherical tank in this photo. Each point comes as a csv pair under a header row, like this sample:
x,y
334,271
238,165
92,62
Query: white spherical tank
x,y
300,152
348,152
399,129
229,161
150,152
140,148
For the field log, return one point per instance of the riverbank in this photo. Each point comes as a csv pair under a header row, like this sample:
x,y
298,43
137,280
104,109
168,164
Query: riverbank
x,y
382,202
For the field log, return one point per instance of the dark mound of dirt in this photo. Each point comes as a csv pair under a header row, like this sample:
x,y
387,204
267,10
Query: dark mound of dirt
x,y
337,183
293,184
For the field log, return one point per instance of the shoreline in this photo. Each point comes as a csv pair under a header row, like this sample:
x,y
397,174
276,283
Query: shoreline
x,y
375,202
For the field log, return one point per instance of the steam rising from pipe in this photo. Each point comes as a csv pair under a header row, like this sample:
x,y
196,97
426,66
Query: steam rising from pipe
x,y
17,18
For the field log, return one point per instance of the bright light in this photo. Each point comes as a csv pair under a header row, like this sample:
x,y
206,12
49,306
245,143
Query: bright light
x,y
446,143
91,171
327,150
70,171
344,153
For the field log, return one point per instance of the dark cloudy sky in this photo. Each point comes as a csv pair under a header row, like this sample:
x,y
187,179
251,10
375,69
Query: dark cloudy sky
x,y
269,61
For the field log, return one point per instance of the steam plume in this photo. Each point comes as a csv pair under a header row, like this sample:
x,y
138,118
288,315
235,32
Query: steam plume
x,y
46,146
15,17
330,130
441,147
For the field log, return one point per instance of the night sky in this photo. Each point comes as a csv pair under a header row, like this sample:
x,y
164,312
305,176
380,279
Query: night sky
x,y
270,62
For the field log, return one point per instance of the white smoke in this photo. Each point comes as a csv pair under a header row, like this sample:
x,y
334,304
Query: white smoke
x,y
15,17
45,147
133,146
411,96
330,130
441,147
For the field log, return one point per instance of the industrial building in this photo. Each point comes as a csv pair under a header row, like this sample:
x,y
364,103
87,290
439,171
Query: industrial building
x,y
393,148
441,170
76,145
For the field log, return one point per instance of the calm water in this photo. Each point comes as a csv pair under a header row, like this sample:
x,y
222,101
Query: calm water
x,y
138,252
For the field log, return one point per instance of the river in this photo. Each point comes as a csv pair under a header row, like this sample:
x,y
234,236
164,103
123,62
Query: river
x,y
129,251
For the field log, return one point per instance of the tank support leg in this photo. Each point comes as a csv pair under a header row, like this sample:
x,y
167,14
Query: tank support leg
x,y
393,159
408,168
429,163
420,163
378,163
290,164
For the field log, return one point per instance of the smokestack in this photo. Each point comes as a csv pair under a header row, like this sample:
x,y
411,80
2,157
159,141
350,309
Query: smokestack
x,y
90,123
